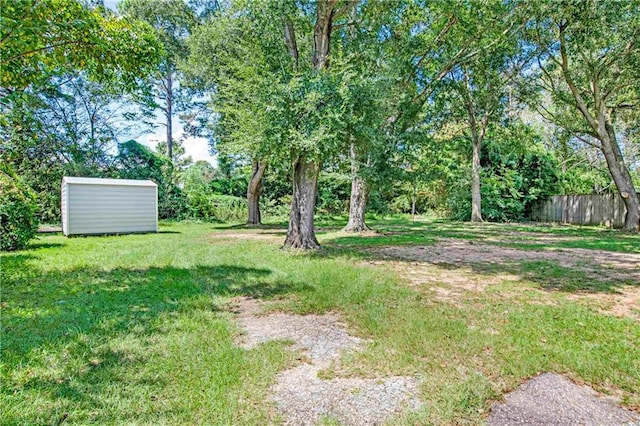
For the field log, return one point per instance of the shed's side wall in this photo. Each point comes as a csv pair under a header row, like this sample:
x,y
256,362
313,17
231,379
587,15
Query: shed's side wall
x,y
105,209
64,208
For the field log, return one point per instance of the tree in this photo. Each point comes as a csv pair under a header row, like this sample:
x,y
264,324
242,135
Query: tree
x,y
62,65
235,57
70,126
43,38
366,80
180,161
172,20
417,48
588,61
254,190
478,92
306,164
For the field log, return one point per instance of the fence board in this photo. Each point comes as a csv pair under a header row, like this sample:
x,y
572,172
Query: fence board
x,y
594,209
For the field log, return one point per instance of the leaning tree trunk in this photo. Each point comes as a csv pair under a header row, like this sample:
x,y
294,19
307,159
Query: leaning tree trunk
x,y
621,177
301,233
359,195
254,190
602,125
476,197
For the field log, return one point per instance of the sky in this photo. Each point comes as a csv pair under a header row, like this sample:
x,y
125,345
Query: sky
x,y
196,148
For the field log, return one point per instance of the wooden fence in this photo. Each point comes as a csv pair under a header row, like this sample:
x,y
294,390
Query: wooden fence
x,y
597,209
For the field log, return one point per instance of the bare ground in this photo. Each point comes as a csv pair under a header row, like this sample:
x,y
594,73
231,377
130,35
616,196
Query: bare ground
x,y
617,266
551,399
453,267
304,398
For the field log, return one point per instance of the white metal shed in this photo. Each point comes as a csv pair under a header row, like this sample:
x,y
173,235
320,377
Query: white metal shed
x,y
108,206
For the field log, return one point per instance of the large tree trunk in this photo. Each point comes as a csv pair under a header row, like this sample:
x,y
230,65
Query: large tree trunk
x,y
359,195
301,233
621,177
602,126
254,190
476,197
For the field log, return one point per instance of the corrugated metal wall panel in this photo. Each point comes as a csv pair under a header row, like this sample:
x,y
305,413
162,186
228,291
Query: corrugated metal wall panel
x,y
64,208
107,209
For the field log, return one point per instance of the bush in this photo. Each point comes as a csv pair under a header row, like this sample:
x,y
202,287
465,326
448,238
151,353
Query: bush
x,y
172,202
18,211
227,208
334,192
516,172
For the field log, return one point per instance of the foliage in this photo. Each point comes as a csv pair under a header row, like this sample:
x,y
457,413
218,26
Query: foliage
x,y
70,126
43,38
234,185
55,118
18,211
516,171
166,89
333,193
136,161
588,56
180,160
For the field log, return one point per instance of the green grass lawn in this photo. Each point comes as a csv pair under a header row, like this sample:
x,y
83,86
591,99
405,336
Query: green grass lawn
x,y
137,329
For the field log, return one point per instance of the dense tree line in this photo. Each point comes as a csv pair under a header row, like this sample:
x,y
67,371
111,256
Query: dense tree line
x,y
473,110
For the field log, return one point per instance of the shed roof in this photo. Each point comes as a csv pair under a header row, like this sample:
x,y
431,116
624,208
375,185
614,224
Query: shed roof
x,y
99,181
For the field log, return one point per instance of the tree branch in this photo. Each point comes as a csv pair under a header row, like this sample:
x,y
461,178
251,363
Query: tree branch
x,y
290,40
582,106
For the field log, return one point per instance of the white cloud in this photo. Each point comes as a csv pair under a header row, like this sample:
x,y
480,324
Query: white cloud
x,y
111,4
196,148
150,139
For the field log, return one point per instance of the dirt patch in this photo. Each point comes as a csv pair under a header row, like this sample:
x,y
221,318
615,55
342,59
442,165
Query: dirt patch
x,y
624,303
452,268
300,395
618,266
551,399
49,229
447,284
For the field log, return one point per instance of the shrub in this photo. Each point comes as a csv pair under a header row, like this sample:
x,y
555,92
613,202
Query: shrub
x,y
18,211
227,208
334,191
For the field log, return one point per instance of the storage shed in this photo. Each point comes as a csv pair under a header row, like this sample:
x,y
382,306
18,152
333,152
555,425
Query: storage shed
x,y
108,206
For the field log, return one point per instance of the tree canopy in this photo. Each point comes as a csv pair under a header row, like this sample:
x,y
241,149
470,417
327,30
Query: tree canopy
x,y
471,110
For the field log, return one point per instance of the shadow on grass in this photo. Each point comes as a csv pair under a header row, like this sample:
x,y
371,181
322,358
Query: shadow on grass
x,y
14,262
57,326
53,308
223,226
585,272
36,246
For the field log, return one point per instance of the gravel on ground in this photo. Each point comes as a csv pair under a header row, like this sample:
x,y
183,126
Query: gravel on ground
x,y
551,399
301,396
